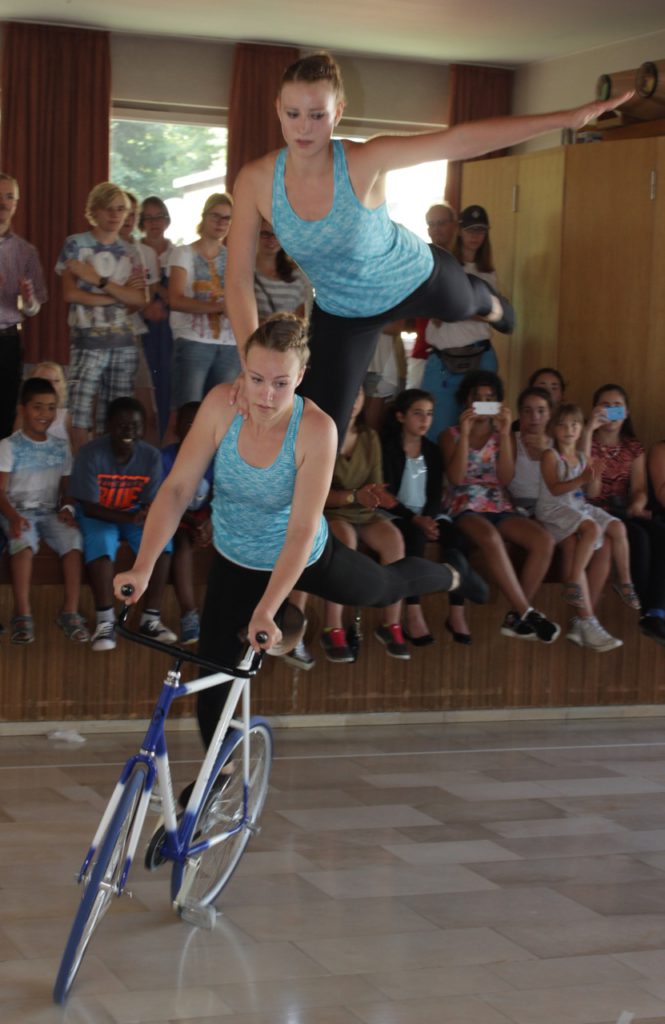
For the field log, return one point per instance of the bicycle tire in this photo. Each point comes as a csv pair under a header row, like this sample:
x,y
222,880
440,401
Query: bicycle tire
x,y
206,875
103,875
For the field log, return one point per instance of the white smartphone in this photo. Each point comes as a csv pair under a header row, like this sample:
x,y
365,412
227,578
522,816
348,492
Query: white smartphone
x,y
487,408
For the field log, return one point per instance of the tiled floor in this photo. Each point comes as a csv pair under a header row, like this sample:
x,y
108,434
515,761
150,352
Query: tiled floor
x,y
490,873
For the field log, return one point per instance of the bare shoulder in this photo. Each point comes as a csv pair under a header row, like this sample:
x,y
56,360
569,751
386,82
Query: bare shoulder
x,y
318,429
254,183
217,413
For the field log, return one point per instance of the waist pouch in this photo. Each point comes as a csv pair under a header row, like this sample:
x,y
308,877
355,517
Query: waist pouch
x,y
465,359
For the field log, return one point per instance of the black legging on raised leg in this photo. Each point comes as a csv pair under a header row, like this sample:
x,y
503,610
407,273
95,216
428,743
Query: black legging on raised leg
x,y
415,543
342,347
340,575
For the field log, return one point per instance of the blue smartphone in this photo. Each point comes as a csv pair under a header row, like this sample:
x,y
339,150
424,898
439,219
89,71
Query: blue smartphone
x,y
615,412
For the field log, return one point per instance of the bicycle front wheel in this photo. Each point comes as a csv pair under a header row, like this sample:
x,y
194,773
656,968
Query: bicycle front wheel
x,y
222,810
101,884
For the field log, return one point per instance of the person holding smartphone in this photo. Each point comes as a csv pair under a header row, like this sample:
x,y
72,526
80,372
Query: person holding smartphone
x,y
479,462
624,493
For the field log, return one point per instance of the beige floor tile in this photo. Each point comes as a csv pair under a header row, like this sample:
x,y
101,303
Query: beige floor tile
x,y
396,880
480,850
500,907
443,981
566,971
455,1010
583,824
291,996
164,1004
341,818
580,1004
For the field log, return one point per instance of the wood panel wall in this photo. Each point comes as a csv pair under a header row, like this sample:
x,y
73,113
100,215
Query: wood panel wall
x,y
52,680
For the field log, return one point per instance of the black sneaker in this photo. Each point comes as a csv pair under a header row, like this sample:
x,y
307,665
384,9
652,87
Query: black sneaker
x,y
546,631
392,639
654,627
516,627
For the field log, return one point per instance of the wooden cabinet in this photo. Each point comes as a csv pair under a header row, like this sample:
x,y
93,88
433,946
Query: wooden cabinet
x,y
585,230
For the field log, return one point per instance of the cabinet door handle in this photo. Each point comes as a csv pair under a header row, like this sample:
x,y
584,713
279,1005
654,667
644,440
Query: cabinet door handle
x,y
515,197
652,189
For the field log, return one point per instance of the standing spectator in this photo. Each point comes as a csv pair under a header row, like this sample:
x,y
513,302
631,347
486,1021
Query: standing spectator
x,y
104,284
204,346
22,293
441,220
154,220
115,479
279,285
460,348
34,477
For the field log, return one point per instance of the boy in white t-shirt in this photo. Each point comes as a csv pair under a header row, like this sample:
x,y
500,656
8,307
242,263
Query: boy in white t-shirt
x,y
34,474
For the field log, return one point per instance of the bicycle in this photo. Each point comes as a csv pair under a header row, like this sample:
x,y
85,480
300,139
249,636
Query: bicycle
x,y
206,840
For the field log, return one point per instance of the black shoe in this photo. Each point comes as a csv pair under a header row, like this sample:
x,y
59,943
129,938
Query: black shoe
x,y
654,627
516,627
426,640
471,586
458,638
546,631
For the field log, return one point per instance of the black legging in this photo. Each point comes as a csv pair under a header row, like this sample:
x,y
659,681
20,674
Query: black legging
x,y
646,538
342,347
415,543
340,575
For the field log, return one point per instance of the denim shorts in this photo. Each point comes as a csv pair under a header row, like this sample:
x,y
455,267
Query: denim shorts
x,y
199,366
47,527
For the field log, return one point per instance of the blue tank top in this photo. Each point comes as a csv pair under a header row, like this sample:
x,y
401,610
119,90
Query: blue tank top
x,y
251,506
360,262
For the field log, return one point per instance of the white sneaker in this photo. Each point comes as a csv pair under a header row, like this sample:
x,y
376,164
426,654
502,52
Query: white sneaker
x,y
103,639
574,633
597,638
300,657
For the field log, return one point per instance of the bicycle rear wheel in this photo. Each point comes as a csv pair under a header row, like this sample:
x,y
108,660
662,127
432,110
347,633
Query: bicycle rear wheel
x,y
101,884
205,875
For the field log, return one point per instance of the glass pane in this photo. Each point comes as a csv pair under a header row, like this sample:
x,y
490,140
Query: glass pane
x,y
412,190
181,163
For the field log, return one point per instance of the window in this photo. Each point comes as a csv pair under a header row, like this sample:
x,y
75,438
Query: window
x,y
412,190
181,163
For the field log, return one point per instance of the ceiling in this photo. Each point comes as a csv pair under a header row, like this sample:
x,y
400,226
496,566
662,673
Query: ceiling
x,y
489,31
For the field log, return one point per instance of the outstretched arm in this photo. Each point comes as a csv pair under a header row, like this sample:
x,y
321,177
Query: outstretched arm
x,y
475,138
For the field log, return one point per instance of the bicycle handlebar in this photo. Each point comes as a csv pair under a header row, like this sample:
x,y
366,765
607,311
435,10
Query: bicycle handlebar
x,y
178,652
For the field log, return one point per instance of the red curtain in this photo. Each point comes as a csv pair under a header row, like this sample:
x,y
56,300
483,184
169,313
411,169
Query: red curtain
x,y
253,125
55,104
475,93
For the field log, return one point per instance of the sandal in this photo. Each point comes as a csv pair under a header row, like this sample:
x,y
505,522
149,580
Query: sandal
x,y
73,626
23,629
628,595
572,594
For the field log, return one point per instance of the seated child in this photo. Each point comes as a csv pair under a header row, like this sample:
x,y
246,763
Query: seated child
x,y
34,478
54,373
195,530
579,527
115,479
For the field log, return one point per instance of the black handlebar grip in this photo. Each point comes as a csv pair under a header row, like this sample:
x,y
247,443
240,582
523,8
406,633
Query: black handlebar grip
x,y
127,589
261,638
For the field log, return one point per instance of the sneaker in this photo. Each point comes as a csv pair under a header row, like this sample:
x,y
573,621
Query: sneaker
x,y
189,629
654,627
300,657
156,630
516,627
545,631
574,633
597,638
392,639
334,644
103,639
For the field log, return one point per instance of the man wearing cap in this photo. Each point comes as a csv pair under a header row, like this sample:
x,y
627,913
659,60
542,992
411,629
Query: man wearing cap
x,y
22,293
461,347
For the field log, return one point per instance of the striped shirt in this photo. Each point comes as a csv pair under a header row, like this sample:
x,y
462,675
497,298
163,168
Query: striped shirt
x,y
18,260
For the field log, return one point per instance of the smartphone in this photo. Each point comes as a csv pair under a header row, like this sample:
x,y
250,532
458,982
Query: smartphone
x,y
615,412
487,408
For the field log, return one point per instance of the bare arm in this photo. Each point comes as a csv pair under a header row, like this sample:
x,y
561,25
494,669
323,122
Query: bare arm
x,y
639,494
555,486
243,236
175,494
455,451
72,293
17,523
505,463
475,138
133,293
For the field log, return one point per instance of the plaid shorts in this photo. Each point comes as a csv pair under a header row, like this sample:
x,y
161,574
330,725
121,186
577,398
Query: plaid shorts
x,y
100,374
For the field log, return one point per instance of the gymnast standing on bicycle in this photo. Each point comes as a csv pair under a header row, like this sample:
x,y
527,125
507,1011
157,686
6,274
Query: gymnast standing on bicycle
x,y
272,473
326,201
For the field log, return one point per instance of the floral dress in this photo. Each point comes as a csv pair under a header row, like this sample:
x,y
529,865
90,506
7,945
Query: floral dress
x,y
480,491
